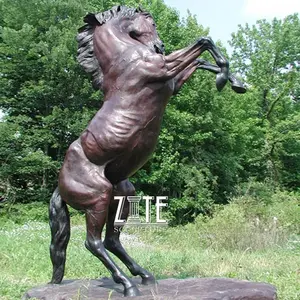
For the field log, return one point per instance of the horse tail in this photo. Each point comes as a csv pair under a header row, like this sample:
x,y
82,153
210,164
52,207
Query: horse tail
x,y
59,221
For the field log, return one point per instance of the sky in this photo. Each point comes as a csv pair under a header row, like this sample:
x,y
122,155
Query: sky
x,y
223,16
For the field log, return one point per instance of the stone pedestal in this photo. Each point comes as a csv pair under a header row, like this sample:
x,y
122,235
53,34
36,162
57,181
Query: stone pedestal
x,y
166,289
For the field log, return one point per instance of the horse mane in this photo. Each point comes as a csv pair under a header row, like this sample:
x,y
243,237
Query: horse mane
x,y
85,52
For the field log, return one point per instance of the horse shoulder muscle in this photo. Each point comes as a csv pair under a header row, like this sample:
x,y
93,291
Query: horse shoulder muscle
x,y
153,65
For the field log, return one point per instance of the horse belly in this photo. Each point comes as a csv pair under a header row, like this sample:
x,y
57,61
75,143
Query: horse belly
x,y
129,162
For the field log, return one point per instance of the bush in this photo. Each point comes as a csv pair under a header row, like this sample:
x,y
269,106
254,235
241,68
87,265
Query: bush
x,y
22,213
281,208
232,229
18,213
249,222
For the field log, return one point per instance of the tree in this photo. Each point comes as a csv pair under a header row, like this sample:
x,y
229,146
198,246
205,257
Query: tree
x,y
46,97
267,54
48,101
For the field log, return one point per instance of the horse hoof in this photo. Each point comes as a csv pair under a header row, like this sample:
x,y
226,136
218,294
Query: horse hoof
x,y
53,282
148,280
239,89
132,292
221,81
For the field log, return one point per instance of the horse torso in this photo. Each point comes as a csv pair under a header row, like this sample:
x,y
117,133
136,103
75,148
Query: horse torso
x,y
124,131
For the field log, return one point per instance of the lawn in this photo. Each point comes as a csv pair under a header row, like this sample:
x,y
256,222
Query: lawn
x,y
173,252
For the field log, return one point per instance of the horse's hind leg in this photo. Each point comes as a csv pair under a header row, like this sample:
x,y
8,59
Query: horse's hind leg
x,y
112,236
95,220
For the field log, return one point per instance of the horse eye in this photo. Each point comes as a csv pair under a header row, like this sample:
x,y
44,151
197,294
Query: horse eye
x,y
134,34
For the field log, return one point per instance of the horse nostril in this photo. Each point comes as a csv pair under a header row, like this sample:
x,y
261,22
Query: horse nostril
x,y
159,48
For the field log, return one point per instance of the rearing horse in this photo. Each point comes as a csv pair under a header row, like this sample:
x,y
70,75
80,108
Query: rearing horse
x,y
124,54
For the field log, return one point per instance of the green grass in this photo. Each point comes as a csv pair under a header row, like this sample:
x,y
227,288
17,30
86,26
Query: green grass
x,y
246,239
25,263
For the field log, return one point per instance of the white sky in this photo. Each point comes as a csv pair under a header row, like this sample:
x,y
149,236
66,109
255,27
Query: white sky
x,y
223,16
270,8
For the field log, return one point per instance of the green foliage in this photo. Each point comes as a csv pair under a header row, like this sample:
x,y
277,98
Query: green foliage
x,y
210,142
264,204
23,167
267,55
248,223
47,99
12,214
23,213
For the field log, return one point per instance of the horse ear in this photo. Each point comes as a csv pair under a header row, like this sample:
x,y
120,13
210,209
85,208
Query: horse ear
x,y
118,8
91,19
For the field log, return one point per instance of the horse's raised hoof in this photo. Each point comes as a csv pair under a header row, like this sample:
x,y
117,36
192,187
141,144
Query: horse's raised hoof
x,y
148,280
221,81
133,291
239,89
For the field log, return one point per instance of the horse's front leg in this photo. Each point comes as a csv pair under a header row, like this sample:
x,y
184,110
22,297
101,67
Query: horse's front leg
x,y
236,85
156,67
184,75
179,60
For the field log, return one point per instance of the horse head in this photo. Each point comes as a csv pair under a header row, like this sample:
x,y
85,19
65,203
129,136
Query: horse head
x,y
111,32
142,29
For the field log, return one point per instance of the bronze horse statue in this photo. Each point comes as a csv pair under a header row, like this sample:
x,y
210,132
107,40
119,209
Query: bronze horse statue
x,y
122,51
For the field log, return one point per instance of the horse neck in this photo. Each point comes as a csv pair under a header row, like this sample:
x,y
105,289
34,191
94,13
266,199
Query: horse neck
x,y
109,43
